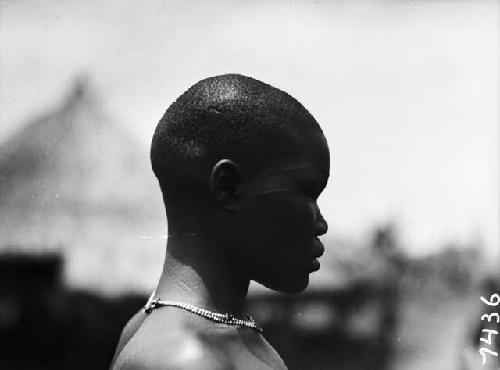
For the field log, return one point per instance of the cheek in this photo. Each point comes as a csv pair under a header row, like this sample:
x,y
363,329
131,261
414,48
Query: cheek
x,y
275,226
296,218
288,223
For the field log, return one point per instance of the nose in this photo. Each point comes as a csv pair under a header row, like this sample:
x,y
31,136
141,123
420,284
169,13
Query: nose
x,y
321,224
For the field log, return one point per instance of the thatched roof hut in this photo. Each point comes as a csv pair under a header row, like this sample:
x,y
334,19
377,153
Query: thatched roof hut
x,y
73,180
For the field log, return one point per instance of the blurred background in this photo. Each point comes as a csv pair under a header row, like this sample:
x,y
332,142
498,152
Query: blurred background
x,y
407,95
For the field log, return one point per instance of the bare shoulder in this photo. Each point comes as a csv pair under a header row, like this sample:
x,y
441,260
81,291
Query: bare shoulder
x,y
156,345
128,332
183,356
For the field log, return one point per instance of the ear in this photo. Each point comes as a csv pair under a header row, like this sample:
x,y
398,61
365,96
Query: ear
x,y
225,182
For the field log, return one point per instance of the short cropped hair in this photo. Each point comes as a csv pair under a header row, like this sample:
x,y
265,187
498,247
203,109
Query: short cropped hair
x,y
228,116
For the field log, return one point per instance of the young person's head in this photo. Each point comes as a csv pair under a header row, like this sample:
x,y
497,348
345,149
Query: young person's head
x,y
241,165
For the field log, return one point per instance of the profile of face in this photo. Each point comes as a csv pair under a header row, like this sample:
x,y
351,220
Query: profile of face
x,y
278,220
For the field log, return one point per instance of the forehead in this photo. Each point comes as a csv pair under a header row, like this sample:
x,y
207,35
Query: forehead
x,y
308,159
311,152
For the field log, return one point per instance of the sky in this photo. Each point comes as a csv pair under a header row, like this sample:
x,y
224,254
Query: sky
x,y
406,91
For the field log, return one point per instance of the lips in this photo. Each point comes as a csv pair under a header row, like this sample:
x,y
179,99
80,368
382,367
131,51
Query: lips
x,y
315,265
317,251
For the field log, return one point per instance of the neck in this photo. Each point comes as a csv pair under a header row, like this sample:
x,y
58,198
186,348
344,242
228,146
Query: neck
x,y
200,274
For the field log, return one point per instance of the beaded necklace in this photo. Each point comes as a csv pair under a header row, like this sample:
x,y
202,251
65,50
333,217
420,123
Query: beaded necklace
x,y
222,318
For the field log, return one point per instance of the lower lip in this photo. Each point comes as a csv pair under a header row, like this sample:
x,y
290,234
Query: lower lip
x,y
315,265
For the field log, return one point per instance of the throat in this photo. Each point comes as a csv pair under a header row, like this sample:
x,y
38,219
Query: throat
x,y
200,275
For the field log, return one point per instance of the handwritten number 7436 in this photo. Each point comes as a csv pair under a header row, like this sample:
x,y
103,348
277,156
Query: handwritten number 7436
x,y
494,301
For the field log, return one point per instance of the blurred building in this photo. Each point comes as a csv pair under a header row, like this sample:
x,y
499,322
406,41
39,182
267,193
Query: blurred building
x,y
73,181
43,325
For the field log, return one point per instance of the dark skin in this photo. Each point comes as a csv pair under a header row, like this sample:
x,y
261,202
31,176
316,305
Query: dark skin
x,y
262,227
